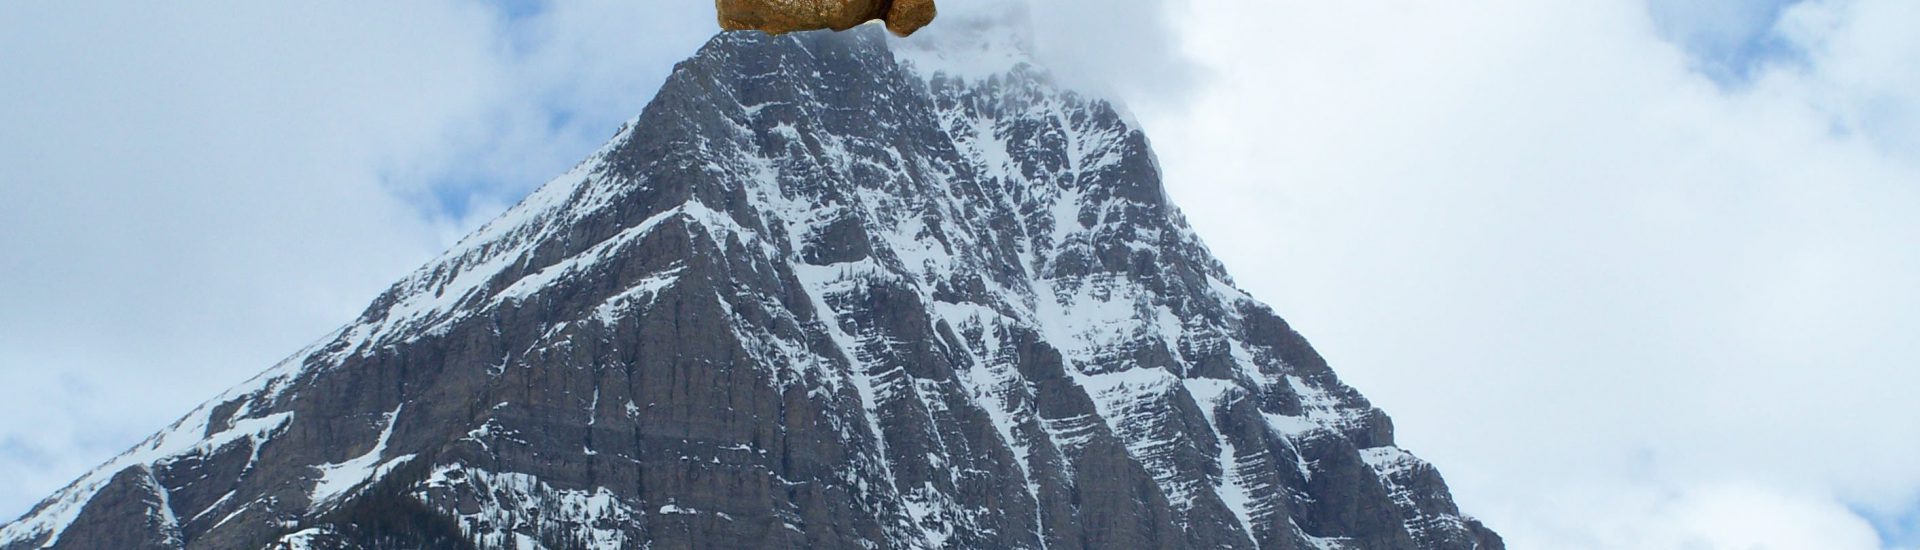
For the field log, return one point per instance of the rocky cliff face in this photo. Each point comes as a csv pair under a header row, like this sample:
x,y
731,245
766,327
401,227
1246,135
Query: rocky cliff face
x,y
821,293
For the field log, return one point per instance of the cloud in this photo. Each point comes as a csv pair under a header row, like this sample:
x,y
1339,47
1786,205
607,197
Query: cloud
x,y
1863,68
571,73
1125,48
1595,286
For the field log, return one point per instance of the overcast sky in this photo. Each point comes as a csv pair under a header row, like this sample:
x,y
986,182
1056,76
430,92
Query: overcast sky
x,y
1633,275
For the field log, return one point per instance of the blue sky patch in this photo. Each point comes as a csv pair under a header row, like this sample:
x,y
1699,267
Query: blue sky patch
x,y
1898,530
1727,40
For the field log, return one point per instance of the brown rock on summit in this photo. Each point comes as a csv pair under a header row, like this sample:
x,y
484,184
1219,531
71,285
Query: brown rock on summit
x,y
903,17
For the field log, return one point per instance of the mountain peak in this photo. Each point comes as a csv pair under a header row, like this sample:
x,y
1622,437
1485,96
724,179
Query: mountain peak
x,y
820,293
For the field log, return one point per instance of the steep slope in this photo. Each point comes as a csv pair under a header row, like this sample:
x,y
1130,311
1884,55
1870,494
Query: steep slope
x,y
821,293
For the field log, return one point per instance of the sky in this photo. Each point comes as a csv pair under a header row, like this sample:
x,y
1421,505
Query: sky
x,y
1633,274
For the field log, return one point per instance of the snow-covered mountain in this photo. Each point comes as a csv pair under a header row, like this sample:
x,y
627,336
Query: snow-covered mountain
x,y
826,292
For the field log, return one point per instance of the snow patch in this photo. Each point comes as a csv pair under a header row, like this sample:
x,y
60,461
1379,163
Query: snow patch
x,y
337,480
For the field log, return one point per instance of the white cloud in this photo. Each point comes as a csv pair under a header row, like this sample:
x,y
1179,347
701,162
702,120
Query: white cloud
x,y
1863,68
1575,270
1707,517
572,72
1126,48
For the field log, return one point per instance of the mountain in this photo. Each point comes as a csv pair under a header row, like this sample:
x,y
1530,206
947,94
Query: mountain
x,y
826,291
